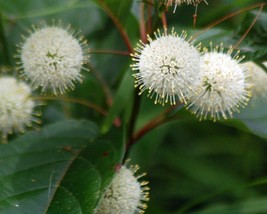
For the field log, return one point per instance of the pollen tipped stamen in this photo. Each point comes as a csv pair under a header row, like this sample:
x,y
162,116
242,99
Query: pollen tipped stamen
x,y
167,66
52,58
125,194
224,87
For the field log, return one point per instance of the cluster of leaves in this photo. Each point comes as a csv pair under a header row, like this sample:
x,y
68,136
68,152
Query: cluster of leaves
x,y
192,167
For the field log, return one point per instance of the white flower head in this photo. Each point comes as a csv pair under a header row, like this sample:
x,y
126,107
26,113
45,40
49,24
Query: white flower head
x,y
126,195
52,58
16,106
258,78
179,2
167,67
223,87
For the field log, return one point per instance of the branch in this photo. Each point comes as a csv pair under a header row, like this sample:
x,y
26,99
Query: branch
x,y
74,100
114,52
103,84
250,27
228,17
118,25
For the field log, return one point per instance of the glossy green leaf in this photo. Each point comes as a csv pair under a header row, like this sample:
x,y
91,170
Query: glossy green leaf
x,y
64,168
249,206
254,116
254,44
117,8
122,98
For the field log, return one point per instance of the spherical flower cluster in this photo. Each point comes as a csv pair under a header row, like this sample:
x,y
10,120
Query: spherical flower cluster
x,y
52,58
125,194
258,78
16,106
179,2
167,67
224,87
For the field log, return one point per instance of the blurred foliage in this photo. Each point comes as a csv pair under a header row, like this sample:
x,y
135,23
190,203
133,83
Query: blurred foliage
x,y
193,167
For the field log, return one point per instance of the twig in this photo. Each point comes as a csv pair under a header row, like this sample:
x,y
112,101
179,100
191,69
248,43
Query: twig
x,y
149,18
74,100
156,122
164,20
142,24
118,25
250,27
113,52
137,98
228,17
103,84
4,42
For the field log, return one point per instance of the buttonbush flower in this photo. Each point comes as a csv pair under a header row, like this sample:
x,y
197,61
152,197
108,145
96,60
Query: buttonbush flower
x,y
259,80
125,195
223,87
167,67
52,58
16,106
179,2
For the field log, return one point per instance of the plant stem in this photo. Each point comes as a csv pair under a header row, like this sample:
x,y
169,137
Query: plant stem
x,y
195,17
118,25
113,52
142,24
156,122
149,18
137,98
4,42
164,20
103,84
228,17
250,27
74,100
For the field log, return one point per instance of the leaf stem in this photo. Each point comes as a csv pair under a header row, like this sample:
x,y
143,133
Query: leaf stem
x,y
118,25
228,17
164,20
103,83
113,52
4,42
74,100
137,98
142,24
250,27
156,122
149,18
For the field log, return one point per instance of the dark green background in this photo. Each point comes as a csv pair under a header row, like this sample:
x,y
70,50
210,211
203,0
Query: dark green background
x,y
193,167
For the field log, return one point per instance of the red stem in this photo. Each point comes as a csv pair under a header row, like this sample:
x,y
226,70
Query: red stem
x,y
74,100
147,128
103,83
119,26
250,27
137,99
156,122
142,25
164,20
115,52
228,17
149,21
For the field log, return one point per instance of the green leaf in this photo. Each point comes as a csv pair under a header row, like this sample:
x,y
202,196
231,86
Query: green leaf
x,y
254,116
249,206
254,44
64,168
122,98
117,8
